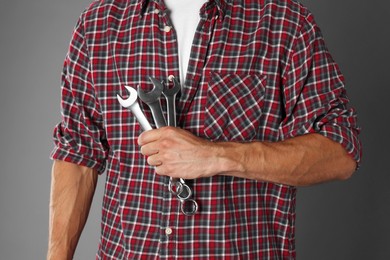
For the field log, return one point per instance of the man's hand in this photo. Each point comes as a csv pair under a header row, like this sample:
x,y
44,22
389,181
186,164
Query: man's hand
x,y
178,153
299,161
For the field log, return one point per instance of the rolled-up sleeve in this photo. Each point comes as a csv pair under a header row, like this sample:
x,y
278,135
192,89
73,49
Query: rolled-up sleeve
x,y
315,98
80,136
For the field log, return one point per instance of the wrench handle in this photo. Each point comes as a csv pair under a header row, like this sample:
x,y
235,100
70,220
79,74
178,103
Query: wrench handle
x,y
171,110
157,113
142,120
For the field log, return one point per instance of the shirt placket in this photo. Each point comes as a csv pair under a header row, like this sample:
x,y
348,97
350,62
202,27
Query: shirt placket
x,y
199,56
187,227
171,69
172,219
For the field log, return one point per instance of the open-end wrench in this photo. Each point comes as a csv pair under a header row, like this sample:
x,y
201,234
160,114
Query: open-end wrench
x,y
152,99
170,95
177,186
188,206
133,105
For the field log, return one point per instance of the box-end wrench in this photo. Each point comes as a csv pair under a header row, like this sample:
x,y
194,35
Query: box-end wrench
x,y
188,206
176,186
152,99
132,103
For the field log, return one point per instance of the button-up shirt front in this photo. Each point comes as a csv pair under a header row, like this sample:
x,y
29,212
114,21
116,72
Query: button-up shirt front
x,y
258,71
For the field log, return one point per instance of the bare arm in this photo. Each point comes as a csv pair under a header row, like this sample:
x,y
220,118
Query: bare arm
x,y
299,161
72,190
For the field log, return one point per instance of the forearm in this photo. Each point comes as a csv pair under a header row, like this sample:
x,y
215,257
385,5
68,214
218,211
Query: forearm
x,y
72,191
299,161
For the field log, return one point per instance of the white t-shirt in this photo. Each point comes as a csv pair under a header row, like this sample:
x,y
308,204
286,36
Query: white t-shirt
x,y
185,17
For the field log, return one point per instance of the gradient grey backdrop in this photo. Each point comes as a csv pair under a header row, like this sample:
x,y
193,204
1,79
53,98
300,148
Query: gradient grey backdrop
x,y
343,220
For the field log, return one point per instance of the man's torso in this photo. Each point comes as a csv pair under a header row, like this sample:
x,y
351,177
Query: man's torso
x,y
232,92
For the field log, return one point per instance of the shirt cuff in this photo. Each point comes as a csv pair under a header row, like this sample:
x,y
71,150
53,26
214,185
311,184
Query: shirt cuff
x,y
347,138
62,154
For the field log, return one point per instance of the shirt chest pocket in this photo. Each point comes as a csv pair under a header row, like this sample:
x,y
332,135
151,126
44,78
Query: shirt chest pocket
x,y
234,106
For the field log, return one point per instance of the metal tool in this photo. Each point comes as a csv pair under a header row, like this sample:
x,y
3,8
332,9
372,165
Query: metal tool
x,y
182,191
152,99
188,207
133,105
176,186
170,95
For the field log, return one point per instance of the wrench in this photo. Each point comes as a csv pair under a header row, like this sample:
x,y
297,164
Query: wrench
x,y
152,99
170,95
133,105
177,186
188,206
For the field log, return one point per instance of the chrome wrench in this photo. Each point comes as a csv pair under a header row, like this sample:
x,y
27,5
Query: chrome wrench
x,y
188,206
170,95
177,186
152,99
132,103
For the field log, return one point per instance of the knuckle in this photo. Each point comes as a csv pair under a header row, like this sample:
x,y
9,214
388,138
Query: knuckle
x,y
165,143
149,160
140,139
168,158
160,170
168,168
152,160
169,131
143,150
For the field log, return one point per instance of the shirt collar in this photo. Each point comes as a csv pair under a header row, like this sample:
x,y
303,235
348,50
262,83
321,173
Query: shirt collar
x,y
221,5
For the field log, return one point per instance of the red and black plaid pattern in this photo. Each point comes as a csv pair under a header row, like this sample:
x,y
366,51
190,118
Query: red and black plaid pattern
x,y
258,71
233,108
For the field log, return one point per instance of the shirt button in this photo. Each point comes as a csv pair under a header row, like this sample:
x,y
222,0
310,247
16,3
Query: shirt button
x,y
156,11
171,77
168,231
167,28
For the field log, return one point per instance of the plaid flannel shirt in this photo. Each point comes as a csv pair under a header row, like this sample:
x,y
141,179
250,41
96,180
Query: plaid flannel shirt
x,y
258,71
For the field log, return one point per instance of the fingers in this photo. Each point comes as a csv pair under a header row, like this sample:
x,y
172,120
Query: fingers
x,y
154,160
173,152
152,143
148,136
149,149
156,134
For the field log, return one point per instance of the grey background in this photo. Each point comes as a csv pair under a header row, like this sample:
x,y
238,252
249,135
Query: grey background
x,y
340,220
